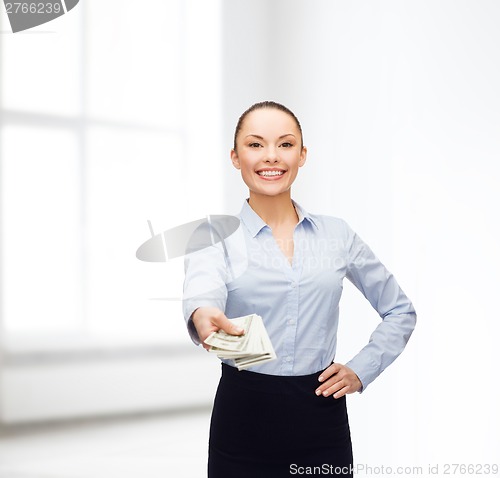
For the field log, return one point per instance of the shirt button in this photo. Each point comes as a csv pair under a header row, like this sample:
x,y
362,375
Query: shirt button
x,y
292,285
288,359
291,322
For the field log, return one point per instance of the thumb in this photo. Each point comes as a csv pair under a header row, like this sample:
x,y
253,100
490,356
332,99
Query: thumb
x,y
229,327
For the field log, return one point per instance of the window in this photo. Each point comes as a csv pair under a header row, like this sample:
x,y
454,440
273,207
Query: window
x,y
100,132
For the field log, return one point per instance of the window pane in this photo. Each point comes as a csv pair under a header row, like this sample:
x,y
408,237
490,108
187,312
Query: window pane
x,y
132,177
41,68
41,230
134,62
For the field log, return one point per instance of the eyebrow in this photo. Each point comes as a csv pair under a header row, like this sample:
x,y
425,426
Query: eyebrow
x,y
260,137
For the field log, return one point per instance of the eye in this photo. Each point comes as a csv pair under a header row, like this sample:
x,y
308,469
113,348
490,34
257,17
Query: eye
x,y
286,145
254,145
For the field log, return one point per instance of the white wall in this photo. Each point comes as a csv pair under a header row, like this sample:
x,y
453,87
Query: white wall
x,y
400,109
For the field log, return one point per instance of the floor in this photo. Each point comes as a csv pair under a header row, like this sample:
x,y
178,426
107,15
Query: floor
x,y
170,445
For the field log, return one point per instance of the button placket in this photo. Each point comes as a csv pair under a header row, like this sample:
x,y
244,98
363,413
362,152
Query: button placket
x,y
293,275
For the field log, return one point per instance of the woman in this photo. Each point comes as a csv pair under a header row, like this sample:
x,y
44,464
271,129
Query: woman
x,y
287,265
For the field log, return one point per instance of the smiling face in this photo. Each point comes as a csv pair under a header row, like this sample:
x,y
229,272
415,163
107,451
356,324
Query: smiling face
x,y
269,151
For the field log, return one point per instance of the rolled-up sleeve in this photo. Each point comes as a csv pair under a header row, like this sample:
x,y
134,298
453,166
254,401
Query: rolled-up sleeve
x,y
385,295
204,283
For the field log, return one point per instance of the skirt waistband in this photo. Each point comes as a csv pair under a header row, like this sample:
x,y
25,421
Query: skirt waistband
x,y
266,382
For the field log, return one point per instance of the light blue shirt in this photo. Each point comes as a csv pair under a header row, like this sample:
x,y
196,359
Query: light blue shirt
x,y
299,302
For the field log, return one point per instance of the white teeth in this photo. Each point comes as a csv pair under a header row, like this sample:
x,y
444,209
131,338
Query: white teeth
x,y
270,173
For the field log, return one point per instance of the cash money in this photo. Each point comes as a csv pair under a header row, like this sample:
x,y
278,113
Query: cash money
x,y
254,347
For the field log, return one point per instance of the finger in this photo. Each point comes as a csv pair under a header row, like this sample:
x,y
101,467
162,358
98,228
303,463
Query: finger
x,y
334,388
227,326
341,392
328,384
329,371
207,332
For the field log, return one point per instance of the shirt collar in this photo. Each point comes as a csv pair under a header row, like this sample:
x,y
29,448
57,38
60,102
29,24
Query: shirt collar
x,y
255,223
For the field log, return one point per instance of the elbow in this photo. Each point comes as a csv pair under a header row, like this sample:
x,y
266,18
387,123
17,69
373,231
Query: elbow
x,y
413,315
411,323
407,320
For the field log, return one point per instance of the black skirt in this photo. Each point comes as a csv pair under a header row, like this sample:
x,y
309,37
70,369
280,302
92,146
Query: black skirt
x,y
276,426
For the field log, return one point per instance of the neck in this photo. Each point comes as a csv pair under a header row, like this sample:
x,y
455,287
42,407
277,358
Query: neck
x,y
275,211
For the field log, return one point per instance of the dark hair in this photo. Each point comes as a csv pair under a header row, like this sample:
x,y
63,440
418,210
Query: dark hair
x,y
266,104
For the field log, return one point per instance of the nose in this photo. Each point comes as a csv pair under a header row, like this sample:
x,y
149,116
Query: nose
x,y
272,156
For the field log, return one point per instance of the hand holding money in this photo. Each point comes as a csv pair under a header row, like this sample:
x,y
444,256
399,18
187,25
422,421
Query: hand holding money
x,y
252,348
210,319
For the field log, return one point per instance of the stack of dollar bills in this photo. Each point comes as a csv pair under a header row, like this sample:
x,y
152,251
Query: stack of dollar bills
x,y
251,348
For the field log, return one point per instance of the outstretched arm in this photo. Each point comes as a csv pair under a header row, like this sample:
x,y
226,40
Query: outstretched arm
x,y
204,287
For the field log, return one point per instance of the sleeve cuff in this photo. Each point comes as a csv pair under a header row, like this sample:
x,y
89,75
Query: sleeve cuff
x,y
192,329
367,372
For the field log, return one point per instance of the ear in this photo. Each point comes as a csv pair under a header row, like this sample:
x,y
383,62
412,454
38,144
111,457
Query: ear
x,y
303,156
235,160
